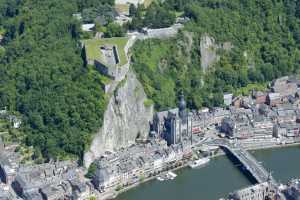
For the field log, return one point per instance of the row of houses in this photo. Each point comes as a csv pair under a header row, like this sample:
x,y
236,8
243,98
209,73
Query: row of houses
x,y
263,122
138,162
59,180
49,181
282,90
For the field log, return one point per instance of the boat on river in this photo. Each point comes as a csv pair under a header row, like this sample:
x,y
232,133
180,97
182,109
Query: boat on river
x,y
167,176
199,163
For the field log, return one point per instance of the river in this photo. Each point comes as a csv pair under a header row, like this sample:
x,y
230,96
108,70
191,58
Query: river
x,y
218,178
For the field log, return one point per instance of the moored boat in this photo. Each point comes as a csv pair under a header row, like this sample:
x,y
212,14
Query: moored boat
x,y
199,162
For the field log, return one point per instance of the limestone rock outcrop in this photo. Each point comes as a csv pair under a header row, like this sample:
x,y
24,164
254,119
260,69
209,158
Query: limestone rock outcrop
x,y
126,118
208,49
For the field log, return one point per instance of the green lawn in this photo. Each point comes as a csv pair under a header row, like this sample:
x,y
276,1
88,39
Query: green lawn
x,y
93,48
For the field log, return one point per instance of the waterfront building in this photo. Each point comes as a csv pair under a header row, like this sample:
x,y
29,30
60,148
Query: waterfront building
x,y
262,126
256,192
292,191
131,165
247,123
287,129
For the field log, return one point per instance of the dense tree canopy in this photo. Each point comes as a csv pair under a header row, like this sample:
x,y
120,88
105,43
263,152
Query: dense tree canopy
x,y
44,77
155,16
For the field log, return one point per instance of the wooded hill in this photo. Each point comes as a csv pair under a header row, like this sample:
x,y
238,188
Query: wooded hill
x,y
265,36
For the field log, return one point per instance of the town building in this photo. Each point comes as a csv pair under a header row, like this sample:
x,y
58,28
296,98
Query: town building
x,y
237,101
176,124
60,180
273,99
285,86
286,113
132,165
6,193
292,191
256,192
286,130
262,127
259,97
237,126
227,99
9,164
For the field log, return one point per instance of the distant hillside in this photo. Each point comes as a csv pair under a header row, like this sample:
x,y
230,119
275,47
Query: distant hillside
x,y
256,41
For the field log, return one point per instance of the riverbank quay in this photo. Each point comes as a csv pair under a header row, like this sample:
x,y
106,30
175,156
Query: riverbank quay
x,y
112,194
218,153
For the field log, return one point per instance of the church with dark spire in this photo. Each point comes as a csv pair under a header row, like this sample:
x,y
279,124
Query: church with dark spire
x,y
174,125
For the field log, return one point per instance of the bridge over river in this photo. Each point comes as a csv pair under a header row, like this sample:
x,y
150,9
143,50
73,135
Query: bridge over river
x,y
259,173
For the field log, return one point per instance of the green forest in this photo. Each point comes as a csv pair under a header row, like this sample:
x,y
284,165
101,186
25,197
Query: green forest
x,y
267,32
45,79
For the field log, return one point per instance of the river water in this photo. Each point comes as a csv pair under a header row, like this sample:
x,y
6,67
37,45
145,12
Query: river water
x,y
217,179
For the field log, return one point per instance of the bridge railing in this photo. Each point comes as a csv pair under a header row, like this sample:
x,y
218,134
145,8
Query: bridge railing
x,y
248,160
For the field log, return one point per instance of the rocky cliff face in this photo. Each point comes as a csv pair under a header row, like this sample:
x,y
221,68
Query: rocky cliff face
x,y
125,119
208,49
